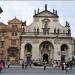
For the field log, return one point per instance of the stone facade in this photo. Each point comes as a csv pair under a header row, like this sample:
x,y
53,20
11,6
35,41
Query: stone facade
x,y
11,41
46,39
3,39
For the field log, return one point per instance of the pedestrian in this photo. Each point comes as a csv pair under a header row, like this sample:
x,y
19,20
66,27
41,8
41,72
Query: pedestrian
x,y
67,68
3,63
26,65
30,64
54,64
1,66
8,63
62,66
45,64
23,65
70,64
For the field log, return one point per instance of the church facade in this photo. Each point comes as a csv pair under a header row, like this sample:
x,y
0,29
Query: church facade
x,y
46,39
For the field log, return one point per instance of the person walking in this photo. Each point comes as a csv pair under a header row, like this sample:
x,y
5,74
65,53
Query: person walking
x,y
54,64
67,68
70,64
30,63
1,67
8,63
23,65
26,65
45,64
62,66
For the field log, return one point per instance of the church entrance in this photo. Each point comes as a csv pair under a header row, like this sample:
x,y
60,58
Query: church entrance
x,y
28,52
64,51
28,59
62,58
45,57
46,51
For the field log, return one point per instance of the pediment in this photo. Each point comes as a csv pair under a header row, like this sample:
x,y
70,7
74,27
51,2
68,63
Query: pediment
x,y
15,20
46,13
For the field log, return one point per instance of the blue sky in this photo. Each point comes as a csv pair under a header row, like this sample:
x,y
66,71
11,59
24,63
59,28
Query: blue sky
x,y
24,10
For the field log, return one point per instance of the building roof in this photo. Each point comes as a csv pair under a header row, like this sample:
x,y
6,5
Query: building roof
x,y
2,25
15,20
46,13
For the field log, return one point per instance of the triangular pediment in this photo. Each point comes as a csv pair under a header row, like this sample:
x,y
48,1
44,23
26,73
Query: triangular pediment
x,y
46,13
15,20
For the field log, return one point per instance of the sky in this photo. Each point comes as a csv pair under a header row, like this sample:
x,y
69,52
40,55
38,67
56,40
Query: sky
x,y
24,10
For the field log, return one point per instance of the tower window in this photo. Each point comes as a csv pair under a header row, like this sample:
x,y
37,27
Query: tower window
x,y
14,26
14,33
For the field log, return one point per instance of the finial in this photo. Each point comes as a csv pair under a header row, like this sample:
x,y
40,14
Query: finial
x,y
25,22
15,17
1,10
53,10
56,12
45,6
38,11
34,12
67,24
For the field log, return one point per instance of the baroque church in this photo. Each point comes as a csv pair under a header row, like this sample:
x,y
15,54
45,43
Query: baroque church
x,y
44,39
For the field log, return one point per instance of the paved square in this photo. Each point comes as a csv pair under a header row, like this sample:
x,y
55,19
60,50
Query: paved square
x,y
35,70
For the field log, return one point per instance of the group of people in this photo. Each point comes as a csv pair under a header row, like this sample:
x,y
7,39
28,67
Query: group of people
x,y
66,66
2,65
25,65
63,65
55,64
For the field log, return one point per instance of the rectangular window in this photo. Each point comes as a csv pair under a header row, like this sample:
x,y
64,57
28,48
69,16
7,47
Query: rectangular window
x,y
43,46
13,42
14,33
1,44
14,26
47,46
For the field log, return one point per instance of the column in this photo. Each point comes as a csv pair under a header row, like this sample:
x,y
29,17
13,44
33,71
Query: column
x,y
70,52
22,52
57,55
35,52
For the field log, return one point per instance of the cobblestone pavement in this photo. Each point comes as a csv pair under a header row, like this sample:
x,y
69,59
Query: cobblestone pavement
x,y
35,70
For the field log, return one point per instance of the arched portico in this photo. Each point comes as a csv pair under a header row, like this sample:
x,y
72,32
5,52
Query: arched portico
x,y
46,51
64,52
28,52
45,57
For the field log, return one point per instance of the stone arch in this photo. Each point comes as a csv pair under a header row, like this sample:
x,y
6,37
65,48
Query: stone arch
x,y
13,54
64,47
64,52
47,48
28,53
45,57
28,47
46,44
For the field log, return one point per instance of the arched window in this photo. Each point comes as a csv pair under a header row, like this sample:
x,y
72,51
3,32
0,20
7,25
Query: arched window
x,y
12,51
55,30
64,47
28,47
